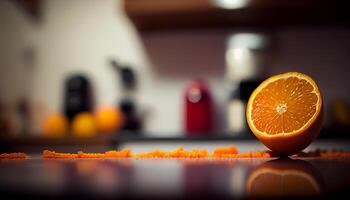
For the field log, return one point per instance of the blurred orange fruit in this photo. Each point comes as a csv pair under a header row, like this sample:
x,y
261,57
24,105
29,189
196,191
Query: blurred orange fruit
x,y
55,125
84,125
285,112
340,113
108,119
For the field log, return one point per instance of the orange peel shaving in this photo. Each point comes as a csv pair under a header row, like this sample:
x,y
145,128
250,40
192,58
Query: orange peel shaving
x,y
220,152
16,155
178,153
53,154
125,153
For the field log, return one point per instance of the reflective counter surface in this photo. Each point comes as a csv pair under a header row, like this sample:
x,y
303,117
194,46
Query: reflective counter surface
x,y
174,178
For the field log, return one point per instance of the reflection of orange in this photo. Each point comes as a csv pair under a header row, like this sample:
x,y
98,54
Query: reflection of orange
x,y
108,119
284,178
84,125
55,125
285,112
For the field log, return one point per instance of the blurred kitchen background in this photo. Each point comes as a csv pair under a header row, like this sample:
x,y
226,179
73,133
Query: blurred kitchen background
x,y
100,72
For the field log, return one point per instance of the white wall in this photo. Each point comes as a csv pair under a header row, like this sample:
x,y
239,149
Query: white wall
x,y
81,36
73,36
15,34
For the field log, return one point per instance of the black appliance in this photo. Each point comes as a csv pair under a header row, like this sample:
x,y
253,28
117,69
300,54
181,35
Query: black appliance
x,y
78,95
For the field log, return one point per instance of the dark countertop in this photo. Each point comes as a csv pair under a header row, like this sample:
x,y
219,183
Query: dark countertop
x,y
174,178
169,178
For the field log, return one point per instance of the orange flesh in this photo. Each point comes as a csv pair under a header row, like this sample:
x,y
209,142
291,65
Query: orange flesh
x,y
281,108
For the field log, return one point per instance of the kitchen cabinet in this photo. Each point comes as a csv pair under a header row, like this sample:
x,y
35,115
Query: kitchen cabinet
x,y
155,15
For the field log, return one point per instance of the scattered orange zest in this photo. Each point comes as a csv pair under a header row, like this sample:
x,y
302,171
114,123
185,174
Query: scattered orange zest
x,y
335,154
178,153
325,154
251,154
220,152
225,150
13,156
125,153
53,154
90,155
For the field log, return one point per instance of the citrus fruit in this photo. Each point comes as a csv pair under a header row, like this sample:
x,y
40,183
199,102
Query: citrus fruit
x,y
340,113
84,125
285,112
285,178
108,119
55,125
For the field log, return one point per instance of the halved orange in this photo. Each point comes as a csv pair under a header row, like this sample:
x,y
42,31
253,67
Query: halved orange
x,y
285,112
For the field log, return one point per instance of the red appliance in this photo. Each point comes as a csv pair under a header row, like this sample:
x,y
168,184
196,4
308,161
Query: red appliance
x,y
198,108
